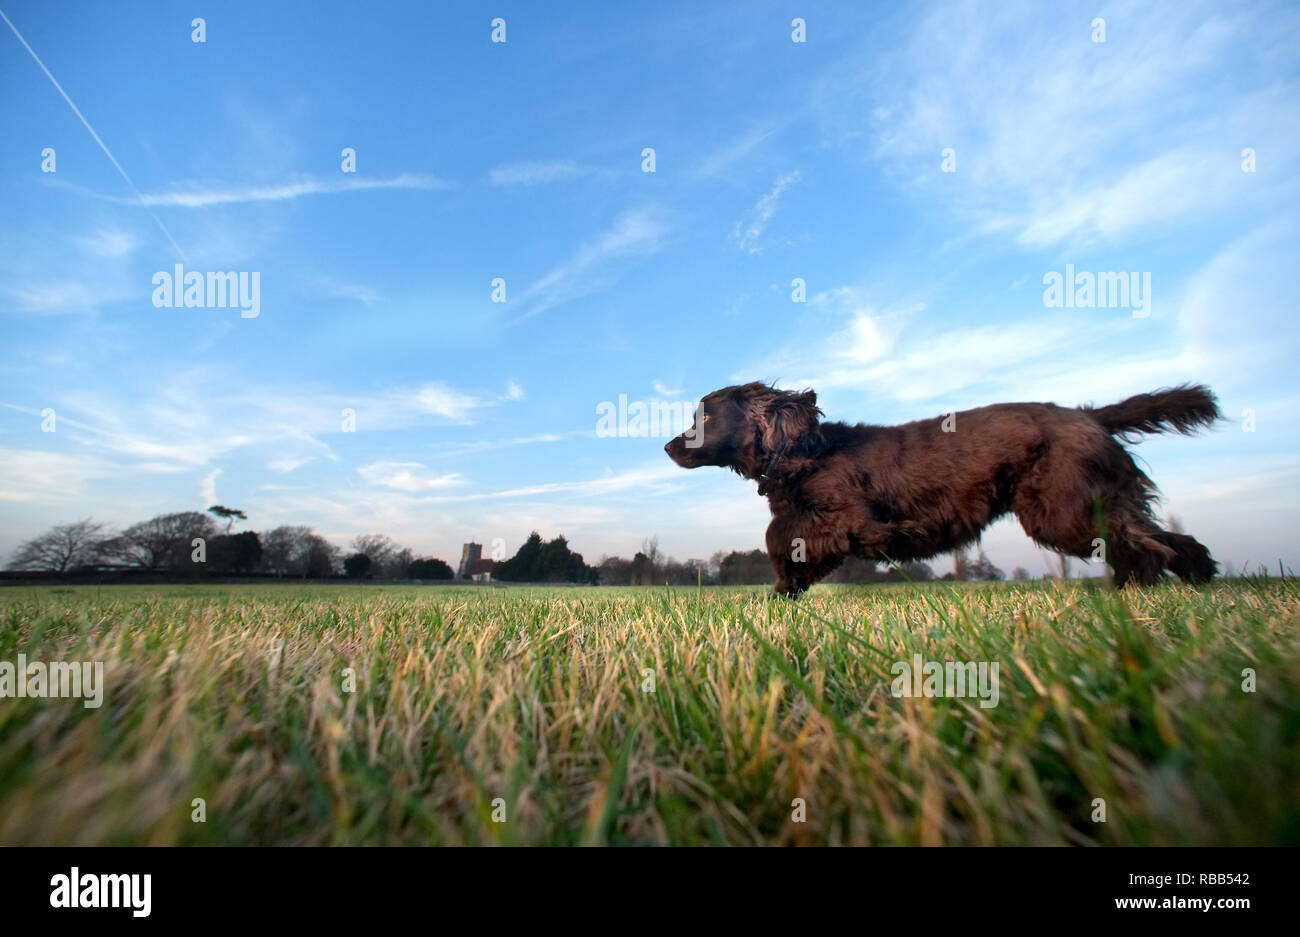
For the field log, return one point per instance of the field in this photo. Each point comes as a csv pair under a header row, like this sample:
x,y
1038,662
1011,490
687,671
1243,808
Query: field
x,y
649,716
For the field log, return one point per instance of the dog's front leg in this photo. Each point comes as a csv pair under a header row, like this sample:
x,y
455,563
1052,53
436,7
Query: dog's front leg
x,y
788,551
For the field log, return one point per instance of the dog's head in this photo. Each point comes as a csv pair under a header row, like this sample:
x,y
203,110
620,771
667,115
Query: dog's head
x,y
744,426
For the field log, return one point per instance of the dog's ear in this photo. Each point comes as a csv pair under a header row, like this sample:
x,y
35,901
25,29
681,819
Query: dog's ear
x,y
787,418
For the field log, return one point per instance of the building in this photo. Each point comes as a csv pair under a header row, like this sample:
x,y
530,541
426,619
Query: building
x,y
470,554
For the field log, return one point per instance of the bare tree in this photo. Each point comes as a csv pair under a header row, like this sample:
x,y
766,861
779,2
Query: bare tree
x,y
162,541
61,549
654,558
399,562
375,546
280,546
317,558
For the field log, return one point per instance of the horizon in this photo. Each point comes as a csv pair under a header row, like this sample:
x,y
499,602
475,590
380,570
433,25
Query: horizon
x,y
834,213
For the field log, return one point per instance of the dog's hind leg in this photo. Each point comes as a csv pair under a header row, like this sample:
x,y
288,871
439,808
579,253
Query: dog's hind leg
x,y
1135,553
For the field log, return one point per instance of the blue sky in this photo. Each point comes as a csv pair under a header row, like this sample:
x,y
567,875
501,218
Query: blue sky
x,y
522,160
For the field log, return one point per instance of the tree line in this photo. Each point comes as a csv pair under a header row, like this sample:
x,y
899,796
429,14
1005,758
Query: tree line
x,y
191,544
188,544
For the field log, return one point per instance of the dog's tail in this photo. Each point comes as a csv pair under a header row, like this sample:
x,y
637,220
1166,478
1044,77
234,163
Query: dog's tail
x,y
1184,409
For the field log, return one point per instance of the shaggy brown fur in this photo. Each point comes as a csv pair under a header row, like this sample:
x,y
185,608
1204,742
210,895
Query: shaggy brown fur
x,y
898,493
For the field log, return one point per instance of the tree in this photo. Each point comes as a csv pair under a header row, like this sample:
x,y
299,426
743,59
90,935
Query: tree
x,y
654,559
430,568
228,514
917,571
398,563
614,571
318,558
278,548
1020,574
162,542
299,551
61,549
539,561
983,569
356,565
524,565
235,553
376,546
739,568
856,569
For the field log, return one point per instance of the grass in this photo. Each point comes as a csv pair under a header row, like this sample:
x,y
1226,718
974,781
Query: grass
x,y
538,704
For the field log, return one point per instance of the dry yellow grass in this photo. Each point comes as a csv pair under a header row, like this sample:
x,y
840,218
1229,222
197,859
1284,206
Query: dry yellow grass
x,y
648,716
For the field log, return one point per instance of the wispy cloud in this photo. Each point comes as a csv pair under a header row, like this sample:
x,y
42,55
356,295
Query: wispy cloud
x,y
535,172
639,479
208,491
405,476
466,448
1037,113
66,297
726,157
635,233
344,289
110,243
748,232
38,477
439,399
287,464
196,195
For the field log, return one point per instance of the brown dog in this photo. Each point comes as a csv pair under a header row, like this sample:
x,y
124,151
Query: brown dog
x,y
898,493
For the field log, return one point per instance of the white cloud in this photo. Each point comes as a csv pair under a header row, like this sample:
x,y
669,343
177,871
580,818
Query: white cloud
x,y
1237,314
636,232
197,195
748,232
68,296
405,476
343,289
110,243
29,475
663,390
439,399
289,463
723,159
208,491
1063,141
533,173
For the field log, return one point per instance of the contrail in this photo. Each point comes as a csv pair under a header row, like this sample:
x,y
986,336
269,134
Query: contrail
x,y
86,124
